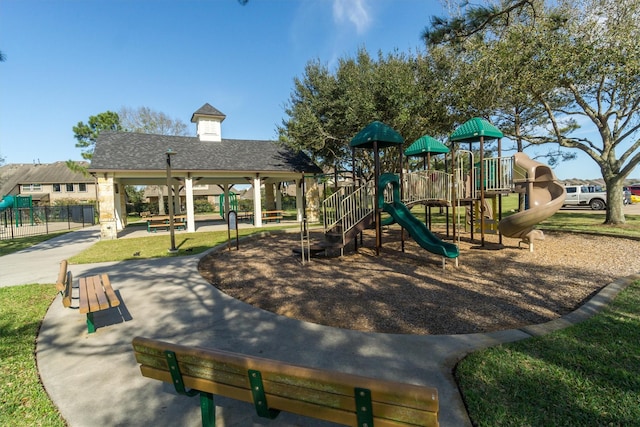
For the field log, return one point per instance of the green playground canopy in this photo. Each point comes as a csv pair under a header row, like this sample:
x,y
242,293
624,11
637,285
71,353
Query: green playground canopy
x,y
424,145
473,129
378,132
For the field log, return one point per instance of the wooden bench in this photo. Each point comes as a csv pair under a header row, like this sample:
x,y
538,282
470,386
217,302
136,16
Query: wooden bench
x,y
274,386
272,216
155,222
94,293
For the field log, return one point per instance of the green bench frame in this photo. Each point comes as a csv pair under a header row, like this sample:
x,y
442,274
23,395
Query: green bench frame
x,y
94,293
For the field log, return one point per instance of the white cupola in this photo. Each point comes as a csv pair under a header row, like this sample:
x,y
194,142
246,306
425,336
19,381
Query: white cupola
x,y
208,123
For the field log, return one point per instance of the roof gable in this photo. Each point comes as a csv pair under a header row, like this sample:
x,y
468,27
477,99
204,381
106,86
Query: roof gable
x,y
207,111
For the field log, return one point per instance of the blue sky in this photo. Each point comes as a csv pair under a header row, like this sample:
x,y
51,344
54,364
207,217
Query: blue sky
x,y
71,59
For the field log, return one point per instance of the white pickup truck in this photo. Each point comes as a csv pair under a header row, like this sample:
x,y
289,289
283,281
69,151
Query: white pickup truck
x,y
586,195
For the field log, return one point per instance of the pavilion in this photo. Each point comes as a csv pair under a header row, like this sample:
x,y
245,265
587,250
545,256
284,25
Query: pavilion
x,y
127,158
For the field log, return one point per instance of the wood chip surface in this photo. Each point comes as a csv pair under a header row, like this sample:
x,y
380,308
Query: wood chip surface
x,y
494,287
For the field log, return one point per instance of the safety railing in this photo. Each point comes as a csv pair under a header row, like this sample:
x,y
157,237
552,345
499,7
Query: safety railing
x,y
498,174
424,186
347,207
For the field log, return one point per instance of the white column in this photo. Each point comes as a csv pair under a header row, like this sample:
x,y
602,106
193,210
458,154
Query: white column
x,y
257,205
121,207
188,190
279,196
299,199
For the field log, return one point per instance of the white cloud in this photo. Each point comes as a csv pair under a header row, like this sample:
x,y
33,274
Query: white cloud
x,y
354,12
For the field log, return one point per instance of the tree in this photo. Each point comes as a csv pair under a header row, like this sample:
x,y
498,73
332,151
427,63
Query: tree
x,y
327,109
146,120
2,57
87,134
581,64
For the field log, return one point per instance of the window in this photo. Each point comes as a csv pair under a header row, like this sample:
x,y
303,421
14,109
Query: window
x,y
82,187
57,188
69,188
31,187
571,189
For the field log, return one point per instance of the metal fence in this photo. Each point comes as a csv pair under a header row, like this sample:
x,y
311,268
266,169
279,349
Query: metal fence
x,y
36,220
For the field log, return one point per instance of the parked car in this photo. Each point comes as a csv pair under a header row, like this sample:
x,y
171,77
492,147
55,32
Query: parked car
x,y
584,195
634,189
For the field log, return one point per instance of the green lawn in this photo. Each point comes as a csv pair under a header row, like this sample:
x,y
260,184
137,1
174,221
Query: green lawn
x,y
157,246
585,375
23,401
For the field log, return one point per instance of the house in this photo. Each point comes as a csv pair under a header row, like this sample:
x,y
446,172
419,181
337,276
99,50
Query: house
x,y
124,158
47,184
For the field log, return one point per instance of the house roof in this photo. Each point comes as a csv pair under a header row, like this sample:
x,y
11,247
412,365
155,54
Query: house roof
x,y
15,174
208,111
127,151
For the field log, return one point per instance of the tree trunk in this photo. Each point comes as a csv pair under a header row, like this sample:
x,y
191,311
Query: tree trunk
x,y
615,213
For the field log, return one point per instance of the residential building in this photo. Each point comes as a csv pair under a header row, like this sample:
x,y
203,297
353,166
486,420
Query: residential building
x,y
47,183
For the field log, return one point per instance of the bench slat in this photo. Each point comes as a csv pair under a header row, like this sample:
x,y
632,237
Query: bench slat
x,y
206,361
306,391
84,297
292,405
67,292
109,292
62,276
98,290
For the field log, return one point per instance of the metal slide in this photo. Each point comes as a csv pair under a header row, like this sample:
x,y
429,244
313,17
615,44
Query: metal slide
x,y
546,196
416,228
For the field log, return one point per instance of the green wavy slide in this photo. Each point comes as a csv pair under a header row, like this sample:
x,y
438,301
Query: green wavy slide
x,y
416,228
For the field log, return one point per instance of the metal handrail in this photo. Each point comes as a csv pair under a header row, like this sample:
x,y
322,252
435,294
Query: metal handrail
x,y
345,208
426,185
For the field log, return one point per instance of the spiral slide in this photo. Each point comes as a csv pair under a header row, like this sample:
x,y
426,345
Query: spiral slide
x,y
416,228
546,196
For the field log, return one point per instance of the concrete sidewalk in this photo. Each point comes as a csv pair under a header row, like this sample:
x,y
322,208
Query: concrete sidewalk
x,y
40,263
94,379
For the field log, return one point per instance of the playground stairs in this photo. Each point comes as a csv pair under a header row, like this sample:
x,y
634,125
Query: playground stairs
x,y
335,238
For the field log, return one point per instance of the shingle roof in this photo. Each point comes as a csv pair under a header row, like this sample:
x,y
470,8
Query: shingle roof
x,y
126,151
207,110
46,173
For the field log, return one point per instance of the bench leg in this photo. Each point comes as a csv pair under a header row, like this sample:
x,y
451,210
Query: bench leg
x,y
207,409
91,327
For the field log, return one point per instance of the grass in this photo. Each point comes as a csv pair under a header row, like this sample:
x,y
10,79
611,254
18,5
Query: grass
x,y
14,245
591,222
585,375
157,246
23,400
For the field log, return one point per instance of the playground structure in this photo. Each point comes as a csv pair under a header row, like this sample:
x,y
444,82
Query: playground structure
x,y
233,203
473,186
22,207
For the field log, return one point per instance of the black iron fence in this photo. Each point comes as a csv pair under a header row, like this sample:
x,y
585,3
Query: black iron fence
x,y
23,222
